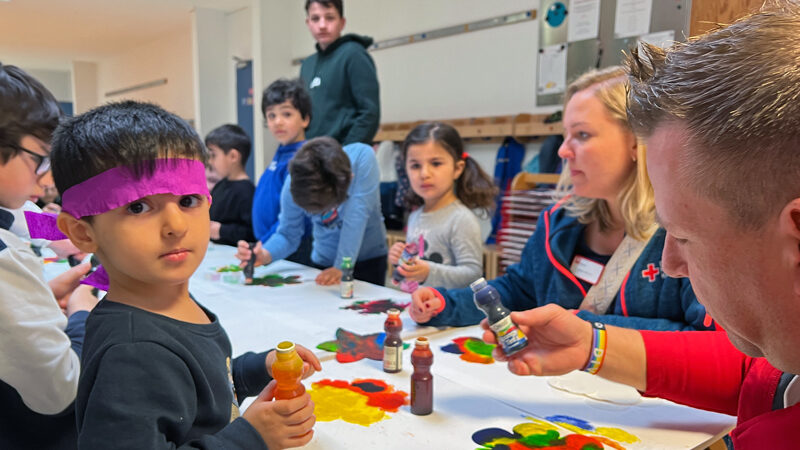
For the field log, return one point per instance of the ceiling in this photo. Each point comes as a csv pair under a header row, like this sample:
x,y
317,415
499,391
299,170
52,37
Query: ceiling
x,y
50,34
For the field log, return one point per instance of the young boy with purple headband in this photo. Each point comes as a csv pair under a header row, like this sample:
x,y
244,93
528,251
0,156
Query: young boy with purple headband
x,y
157,367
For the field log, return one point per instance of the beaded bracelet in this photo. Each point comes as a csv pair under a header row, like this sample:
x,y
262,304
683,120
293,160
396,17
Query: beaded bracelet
x,y
598,354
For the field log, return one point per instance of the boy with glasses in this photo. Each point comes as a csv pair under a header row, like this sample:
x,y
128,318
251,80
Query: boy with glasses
x,y
39,346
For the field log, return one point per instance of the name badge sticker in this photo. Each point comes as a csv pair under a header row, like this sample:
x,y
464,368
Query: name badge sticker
x,y
586,269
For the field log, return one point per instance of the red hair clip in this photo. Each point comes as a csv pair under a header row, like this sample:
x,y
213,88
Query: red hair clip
x,y
464,155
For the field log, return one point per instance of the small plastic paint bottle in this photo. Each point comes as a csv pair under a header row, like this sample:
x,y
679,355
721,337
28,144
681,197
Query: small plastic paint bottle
x,y
287,370
421,379
508,335
347,277
393,344
248,269
409,256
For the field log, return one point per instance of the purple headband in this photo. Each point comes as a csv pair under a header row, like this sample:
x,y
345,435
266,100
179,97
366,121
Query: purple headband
x,y
117,187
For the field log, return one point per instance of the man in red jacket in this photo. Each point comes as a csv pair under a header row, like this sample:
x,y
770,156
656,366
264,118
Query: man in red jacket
x,y
721,117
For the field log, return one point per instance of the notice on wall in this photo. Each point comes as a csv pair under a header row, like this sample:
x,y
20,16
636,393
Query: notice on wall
x,y
632,18
584,20
552,76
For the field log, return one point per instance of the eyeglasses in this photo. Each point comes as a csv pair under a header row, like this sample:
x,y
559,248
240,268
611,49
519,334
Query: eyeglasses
x,y
42,161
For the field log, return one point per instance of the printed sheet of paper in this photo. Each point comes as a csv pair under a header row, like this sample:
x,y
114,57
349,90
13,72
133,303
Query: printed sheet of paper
x,y
584,20
552,69
632,18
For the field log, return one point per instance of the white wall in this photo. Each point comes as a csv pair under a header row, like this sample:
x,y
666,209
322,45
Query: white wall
x,y
84,86
239,29
59,82
167,57
482,73
211,70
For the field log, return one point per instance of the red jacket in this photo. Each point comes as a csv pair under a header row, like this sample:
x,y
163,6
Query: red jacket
x,y
704,370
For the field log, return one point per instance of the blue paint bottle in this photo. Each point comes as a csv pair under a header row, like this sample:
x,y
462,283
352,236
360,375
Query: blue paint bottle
x,y
508,335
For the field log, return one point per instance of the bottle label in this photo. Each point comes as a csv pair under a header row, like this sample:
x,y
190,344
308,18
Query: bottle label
x,y
393,358
347,289
510,337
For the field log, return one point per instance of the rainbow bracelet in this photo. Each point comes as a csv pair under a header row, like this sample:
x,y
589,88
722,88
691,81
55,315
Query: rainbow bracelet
x,y
598,354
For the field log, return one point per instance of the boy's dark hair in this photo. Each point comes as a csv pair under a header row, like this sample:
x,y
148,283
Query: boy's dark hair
x,y
26,108
120,134
321,175
327,3
474,188
282,90
230,137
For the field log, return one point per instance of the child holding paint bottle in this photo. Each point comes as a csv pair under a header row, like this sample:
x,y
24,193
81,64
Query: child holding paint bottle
x,y
446,183
157,368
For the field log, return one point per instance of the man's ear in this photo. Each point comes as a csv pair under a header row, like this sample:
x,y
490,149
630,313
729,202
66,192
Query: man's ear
x,y
80,232
790,227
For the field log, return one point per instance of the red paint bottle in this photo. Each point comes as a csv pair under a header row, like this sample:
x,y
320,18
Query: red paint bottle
x,y
422,379
393,344
287,370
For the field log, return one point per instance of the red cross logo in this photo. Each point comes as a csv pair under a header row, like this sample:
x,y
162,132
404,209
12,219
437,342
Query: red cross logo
x,y
651,272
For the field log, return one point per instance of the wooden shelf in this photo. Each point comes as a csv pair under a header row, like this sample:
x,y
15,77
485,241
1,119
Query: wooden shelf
x,y
520,126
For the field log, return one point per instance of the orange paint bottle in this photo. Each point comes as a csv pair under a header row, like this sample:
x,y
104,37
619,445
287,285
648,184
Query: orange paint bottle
x,y
287,371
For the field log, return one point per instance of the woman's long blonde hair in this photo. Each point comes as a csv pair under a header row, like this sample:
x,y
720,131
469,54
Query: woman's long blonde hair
x,y
636,199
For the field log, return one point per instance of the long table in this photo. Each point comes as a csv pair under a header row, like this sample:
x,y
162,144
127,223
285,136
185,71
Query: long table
x,y
468,396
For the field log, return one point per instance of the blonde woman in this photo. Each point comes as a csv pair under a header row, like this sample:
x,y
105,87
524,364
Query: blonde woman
x,y
606,211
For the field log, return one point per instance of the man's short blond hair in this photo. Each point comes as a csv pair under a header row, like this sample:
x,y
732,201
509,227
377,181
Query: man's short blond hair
x,y
736,90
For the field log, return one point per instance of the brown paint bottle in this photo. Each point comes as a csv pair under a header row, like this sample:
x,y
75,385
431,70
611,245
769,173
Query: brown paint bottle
x,y
393,344
422,379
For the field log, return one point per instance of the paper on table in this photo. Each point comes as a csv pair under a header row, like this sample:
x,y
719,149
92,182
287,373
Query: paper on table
x,y
597,388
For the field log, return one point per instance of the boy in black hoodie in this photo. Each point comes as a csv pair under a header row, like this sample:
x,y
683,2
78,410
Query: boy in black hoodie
x,y
340,77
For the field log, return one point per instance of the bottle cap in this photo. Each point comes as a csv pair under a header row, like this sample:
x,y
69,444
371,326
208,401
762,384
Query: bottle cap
x,y
421,341
285,347
347,259
478,284
393,312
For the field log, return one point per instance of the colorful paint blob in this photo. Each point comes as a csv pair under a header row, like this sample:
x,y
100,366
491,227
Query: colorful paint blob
x,y
362,401
51,259
350,347
375,306
229,268
547,434
471,350
273,280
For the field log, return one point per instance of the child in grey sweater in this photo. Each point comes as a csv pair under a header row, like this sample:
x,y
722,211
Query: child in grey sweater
x,y
446,183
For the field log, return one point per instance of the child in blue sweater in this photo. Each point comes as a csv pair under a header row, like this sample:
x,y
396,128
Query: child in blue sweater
x,y
337,188
287,111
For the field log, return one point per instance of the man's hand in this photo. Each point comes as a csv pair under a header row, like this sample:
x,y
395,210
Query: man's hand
x,y
558,342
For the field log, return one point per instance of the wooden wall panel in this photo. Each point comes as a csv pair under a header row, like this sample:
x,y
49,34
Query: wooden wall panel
x,y
707,13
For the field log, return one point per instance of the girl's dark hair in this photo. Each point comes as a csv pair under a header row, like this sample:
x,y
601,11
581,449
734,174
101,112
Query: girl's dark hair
x,y
321,175
120,134
474,188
